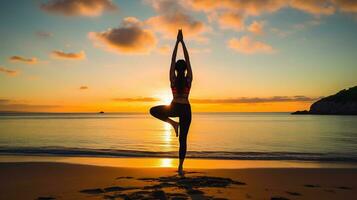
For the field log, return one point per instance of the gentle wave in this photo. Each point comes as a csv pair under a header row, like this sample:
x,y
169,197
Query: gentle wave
x,y
62,151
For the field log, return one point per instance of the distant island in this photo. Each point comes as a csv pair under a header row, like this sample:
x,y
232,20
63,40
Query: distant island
x,y
342,103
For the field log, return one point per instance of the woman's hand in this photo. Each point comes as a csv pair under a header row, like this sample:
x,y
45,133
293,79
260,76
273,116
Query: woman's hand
x,y
179,35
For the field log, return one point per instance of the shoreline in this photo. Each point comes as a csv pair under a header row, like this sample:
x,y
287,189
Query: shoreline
x,y
152,162
216,155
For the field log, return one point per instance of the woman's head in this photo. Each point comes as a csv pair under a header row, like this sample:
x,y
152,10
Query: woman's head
x,y
180,66
180,81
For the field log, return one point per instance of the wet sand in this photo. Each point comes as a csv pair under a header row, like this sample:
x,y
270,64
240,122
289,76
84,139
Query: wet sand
x,y
54,180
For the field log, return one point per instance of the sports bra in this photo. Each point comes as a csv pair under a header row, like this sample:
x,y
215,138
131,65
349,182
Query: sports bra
x,y
185,92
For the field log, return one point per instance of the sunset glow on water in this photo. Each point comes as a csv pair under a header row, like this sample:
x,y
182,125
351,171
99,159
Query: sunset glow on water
x,y
274,136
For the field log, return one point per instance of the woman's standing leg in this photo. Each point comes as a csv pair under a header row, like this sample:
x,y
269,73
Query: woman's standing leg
x,y
185,122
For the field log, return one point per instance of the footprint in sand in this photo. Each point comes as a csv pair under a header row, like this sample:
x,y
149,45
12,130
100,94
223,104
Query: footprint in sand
x,y
125,177
293,193
45,198
279,198
107,189
92,191
311,186
344,188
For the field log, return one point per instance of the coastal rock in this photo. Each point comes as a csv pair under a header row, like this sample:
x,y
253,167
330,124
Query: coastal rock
x,y
341,103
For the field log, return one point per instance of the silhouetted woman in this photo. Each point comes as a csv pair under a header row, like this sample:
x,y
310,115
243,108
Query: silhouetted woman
x,y
180,78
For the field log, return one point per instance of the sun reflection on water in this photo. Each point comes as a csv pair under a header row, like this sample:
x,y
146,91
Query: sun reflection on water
x,y
167,137
166,162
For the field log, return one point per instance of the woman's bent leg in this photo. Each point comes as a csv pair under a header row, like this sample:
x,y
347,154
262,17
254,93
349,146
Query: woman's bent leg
x,y
160,112
163,113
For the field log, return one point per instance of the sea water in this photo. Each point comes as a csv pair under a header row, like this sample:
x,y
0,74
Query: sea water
x,y
258,136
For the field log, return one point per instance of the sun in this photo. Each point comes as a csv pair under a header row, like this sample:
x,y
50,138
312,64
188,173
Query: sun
x,y
165,98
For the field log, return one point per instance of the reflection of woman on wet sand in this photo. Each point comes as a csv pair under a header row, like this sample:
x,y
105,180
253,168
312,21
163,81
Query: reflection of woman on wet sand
x,y
180,78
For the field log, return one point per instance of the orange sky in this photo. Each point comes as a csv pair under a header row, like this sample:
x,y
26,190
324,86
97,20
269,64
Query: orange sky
x,y
248,56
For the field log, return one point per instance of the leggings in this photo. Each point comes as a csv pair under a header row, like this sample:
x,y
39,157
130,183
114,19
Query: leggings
x,y
183,111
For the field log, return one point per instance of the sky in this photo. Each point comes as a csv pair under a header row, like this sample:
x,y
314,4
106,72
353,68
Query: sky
x,y
114,56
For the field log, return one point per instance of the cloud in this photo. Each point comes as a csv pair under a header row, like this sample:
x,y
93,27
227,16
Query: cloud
x,y
129,38
23,59
138,99
346,5
9,72
44,34
164,49
251,7
4,101
256,28
258,7
306,24
169,24
315,7
71,56
13,105
296,27
247,45
273,99
90,8
231,20
83,87
171,17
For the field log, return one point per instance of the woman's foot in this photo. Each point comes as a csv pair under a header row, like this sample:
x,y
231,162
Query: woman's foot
x,y
180,170
176,126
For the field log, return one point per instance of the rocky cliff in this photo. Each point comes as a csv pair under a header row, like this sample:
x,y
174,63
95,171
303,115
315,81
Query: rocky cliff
x,y
342,103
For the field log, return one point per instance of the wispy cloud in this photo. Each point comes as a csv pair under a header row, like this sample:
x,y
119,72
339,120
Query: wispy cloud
x,y
164,49
315,7
256,100
349,6
129,38
297,98
70,56
43,34
23,59
294,28
9,72
90,8
252,7
4,101
256,28
231,20
258,7
83,87
247,45
14,105
137,99
171,16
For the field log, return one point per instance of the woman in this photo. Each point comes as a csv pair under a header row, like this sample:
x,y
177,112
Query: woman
x,y
180,78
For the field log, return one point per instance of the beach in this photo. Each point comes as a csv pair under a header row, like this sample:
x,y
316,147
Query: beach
x,y
133,156
60,180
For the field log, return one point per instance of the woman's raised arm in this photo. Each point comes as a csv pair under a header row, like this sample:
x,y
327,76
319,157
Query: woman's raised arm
x,y
187,59
173,61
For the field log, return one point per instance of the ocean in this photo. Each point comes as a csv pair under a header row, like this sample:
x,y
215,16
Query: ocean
x,y
237,136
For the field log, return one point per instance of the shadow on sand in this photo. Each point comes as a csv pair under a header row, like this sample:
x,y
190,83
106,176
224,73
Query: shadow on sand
x,y
188,187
